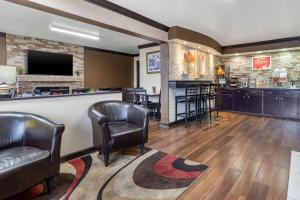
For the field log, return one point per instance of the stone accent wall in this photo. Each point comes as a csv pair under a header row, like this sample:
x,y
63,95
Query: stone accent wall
x,y
203,67
17,46
241,66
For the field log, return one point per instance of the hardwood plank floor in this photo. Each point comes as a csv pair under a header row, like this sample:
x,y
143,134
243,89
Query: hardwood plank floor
x,y
248,156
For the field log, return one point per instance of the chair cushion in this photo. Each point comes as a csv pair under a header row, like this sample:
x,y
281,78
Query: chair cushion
x,y
123,128
19,156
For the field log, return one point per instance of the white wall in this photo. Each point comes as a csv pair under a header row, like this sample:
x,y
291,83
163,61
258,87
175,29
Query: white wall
x,y
147,81
134,71
69,110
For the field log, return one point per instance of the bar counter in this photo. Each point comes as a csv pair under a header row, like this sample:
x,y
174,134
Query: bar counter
x,y
184,83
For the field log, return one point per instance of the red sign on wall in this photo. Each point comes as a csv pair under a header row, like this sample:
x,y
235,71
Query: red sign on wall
x,y
261,63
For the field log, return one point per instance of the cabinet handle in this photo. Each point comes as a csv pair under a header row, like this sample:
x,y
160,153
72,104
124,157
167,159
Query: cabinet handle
x,y
281,99
276,98
244,97
248,97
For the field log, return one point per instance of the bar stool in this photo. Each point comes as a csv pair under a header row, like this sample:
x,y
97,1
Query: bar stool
x,y
202,100
190,98
212,99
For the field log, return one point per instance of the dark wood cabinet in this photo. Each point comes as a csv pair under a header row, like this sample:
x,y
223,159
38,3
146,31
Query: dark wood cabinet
x,y
270,102
271,105
247,101
254,104
288,104
239,101
281,103
224,100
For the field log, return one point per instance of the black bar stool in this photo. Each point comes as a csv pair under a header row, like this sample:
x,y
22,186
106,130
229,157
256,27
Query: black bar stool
x,y
190,98
202,101
212,100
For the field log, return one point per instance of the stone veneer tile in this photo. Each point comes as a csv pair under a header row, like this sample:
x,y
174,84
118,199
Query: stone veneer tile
x,y
17,47
241,65
177,66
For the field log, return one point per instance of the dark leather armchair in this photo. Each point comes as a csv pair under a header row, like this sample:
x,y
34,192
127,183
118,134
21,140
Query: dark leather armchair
x,y
29,151
118,125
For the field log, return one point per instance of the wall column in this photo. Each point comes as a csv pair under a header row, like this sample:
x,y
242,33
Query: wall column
x,y
164,71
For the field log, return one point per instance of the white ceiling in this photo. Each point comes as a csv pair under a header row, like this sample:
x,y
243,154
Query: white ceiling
x,y
25,21
227,21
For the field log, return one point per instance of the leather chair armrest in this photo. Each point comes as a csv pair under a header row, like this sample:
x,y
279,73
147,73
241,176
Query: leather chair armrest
x,y
97,116
44,134
140,116
101,134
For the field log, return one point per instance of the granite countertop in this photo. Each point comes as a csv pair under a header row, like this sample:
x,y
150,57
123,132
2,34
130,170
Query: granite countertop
x,y
59,96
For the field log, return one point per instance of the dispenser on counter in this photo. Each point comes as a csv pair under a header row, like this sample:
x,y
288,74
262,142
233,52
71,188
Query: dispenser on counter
x,y
222,75
279,77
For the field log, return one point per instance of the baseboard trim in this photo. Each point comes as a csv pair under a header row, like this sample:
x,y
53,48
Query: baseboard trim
x,y
77,154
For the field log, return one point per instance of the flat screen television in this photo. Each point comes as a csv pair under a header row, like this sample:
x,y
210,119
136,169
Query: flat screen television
x,y
46,63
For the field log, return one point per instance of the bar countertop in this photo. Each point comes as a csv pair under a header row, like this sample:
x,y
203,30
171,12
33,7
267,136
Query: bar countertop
x,y
59,96
184,83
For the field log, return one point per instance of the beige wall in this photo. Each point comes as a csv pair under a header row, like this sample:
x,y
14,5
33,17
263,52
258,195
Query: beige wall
x,y
2,50
147,81
105,70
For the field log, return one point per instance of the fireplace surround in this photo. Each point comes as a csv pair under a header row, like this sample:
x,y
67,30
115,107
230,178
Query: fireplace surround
x,y
27,83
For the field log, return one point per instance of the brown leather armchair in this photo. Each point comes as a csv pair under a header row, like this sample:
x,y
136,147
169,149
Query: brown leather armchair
x,y
29,151
117,125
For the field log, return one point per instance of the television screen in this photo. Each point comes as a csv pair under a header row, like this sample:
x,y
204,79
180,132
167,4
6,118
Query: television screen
x,y
45,63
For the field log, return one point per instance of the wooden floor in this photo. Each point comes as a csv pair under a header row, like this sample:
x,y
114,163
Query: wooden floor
x,y
248,156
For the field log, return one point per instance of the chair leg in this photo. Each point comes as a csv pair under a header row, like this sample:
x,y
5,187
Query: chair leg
x,y
209,109
49,185
175,111
142,148
106,158
186,114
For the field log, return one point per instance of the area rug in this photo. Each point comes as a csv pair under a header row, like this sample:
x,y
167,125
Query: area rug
x,y
154,175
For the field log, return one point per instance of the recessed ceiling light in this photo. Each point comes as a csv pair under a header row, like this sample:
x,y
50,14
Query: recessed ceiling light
x,y
284,50
258,52
237,54
75,32
184,42
199,47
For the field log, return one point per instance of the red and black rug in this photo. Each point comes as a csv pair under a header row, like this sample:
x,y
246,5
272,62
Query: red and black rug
x,y
154,175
